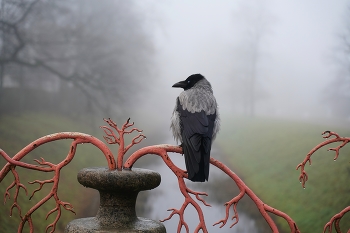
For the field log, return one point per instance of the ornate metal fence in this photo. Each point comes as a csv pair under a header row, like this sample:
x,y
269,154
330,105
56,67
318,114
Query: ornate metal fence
x,y
115,135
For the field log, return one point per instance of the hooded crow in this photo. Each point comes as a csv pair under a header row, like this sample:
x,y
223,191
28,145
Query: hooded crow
x,y
195,123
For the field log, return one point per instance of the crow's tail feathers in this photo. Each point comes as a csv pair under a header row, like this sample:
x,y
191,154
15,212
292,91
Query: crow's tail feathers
x,y
197,171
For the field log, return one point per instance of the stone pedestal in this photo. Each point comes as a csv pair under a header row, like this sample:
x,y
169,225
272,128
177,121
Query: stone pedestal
x,y
118,193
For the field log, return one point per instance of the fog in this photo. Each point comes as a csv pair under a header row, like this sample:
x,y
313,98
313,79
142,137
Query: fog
x,y
119,59
294,70
295,62
263,58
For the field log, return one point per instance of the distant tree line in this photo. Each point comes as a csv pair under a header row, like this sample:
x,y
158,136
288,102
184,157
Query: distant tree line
x,y
83,56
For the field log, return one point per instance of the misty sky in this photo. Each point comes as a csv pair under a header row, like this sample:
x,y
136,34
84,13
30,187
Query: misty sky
x,y
200,36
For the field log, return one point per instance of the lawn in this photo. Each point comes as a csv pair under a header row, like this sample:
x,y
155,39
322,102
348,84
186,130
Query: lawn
x,y
265,153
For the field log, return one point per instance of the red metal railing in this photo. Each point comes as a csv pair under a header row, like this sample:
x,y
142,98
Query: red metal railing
x,y
45,166
331,137
115,135
162,151
112,138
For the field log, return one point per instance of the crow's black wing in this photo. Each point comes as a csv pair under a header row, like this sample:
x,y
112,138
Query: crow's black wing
x,y
206,144
196,133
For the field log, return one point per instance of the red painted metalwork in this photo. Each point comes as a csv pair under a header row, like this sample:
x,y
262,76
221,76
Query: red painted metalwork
x,y
327,134
336,221
112,138
44,166
304,177
162,151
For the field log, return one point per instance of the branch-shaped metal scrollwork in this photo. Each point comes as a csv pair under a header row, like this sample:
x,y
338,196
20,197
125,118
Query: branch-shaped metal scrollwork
x,y
112,138
162,151
191,197
331,137
45,166
327,134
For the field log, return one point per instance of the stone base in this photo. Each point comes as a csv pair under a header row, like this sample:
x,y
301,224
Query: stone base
x,y
91,225
118,192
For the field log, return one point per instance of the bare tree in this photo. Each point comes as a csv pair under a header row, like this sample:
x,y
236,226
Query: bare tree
x,y
252,24
99,49
338,91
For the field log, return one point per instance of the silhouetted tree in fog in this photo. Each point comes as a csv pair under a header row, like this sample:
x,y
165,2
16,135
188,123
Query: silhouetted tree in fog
x,y
252,24
92,54
338,91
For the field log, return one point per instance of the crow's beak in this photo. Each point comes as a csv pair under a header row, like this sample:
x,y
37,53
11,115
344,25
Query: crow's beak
x,y
181,84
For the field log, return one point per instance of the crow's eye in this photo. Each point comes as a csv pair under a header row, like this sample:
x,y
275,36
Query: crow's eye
x,y
188,81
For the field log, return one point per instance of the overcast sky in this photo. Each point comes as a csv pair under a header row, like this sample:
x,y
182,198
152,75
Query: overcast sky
x,y
199,36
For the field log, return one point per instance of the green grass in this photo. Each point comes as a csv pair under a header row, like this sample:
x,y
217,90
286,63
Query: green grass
x,y
265,153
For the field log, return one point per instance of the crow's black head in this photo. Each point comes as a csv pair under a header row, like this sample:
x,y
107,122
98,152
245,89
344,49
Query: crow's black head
x,y
189,82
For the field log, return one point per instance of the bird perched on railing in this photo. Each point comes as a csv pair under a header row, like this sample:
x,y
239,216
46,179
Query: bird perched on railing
x,y
195,123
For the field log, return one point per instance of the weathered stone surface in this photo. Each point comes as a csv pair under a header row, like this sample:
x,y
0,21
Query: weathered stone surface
x,y
91,225
118,193
126,180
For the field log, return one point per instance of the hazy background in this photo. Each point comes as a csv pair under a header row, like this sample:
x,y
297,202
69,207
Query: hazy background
x,y
78,61
263,58
294,45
